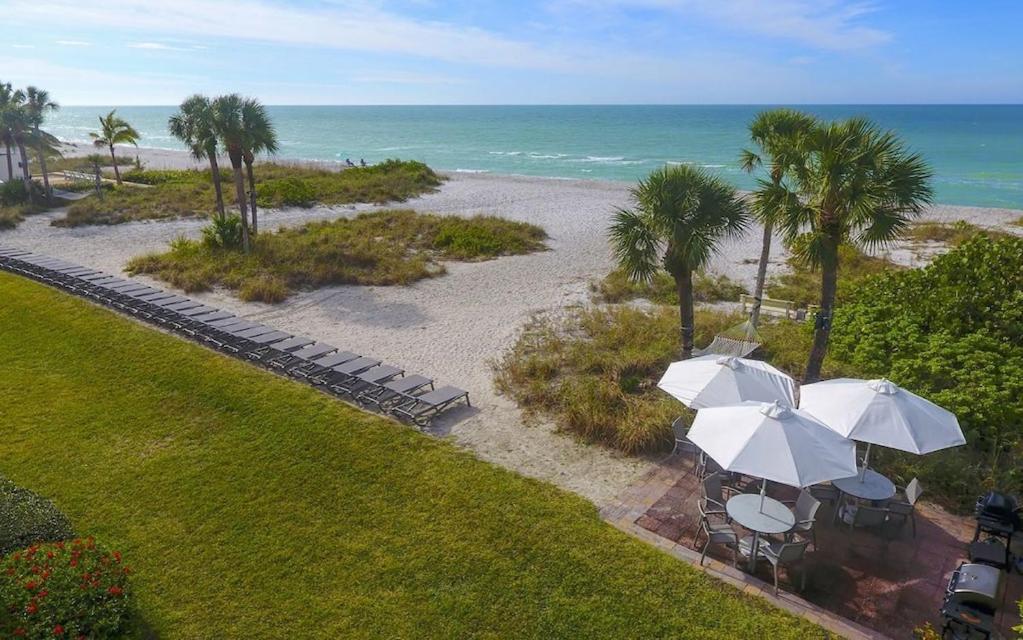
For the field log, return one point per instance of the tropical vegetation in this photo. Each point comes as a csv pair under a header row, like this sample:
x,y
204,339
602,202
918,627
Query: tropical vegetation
x,y
114,130
381,248
250,505
22,115
844,182
191,193
680,216
771,132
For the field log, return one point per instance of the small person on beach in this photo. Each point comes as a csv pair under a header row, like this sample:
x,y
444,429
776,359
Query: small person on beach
x,y
348,161
362,162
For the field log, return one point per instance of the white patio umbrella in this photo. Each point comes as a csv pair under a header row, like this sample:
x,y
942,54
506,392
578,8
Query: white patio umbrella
x,y
773,442
717,381
882,413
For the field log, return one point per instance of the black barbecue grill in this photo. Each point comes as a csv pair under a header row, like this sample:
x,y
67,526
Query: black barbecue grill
x,y
998,515
973,595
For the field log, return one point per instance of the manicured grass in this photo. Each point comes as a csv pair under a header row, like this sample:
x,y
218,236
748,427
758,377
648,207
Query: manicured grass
x,y
382,248
185,193
618,287
250,506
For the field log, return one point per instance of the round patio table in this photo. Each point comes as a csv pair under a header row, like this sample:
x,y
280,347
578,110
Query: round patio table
x,y
771,517
873,487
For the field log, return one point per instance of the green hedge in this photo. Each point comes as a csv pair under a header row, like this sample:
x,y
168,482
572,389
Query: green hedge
x,y
26,518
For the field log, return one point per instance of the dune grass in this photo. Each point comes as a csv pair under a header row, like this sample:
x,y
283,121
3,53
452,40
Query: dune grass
x,y
382,248
187,193
251,506
616,287
802,284
951,234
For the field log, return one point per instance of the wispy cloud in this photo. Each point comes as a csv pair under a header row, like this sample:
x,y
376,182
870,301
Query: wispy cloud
x,y
160,46
74,43
822,24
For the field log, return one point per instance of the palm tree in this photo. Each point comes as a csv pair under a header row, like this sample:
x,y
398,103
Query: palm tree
x,y
260,137
194,125
680,215
114,130
16,124
771,131
7,102
227,113
850,182
38,104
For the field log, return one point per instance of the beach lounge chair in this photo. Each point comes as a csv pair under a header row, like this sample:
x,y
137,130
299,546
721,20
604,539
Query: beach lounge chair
x,y
271,351
196,323
256,337
306,354
322,365
421,410
342,371
349,385
384,395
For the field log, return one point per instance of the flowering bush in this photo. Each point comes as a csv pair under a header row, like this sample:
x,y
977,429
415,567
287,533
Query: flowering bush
x,y
63,590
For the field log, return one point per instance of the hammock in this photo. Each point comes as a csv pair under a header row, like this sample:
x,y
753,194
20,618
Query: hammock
x,y
739,341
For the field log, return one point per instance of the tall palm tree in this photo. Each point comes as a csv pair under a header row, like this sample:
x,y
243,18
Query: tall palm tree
x,y
850,182
771,131
227,113
38,104
260,137
114,130
194,124
6,136
16,123
681,213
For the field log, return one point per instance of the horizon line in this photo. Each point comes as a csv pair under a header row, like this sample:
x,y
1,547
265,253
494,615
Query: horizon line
x,y
606,104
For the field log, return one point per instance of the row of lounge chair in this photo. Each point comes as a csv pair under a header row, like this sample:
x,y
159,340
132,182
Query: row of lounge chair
x,y
361,379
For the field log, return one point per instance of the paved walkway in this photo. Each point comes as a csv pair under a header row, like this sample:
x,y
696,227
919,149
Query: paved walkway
x,y
858,584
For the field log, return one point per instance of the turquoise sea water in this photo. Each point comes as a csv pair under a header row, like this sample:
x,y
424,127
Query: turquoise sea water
x,y
976,151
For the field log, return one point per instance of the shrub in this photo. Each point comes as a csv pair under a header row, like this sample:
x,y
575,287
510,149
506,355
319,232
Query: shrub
x,y
73,590
13,192
482,237
381,248
618,287
223,232
26,518
802,285
953,234
595,372
285,192
952,332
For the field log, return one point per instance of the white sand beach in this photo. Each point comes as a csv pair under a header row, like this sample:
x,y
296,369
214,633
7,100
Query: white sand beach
x,y
452,327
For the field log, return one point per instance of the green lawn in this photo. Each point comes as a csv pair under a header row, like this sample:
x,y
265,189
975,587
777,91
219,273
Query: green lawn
x,y
250,506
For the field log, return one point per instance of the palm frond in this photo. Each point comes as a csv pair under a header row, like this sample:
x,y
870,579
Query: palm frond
x,y
635,244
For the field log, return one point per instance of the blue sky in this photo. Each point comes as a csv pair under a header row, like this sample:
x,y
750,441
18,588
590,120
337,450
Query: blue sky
x,y
517,51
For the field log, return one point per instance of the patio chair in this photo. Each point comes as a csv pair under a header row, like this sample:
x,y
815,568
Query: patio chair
x,y
386,395
320,366
305,354
712,495
269,351
785,554
683,445
707,466
344,371
905,508
421,410
864,517
716,533
805,508
825,492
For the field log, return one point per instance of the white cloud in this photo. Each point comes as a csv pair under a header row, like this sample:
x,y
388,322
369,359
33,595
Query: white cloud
x,y
821,24
74,43
155,46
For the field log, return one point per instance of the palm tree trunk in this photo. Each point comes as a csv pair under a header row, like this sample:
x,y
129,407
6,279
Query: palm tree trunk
x,y
252,196
10,162
239,192
215,170
822,330
117,172
758,292
25,175
684,287
42,167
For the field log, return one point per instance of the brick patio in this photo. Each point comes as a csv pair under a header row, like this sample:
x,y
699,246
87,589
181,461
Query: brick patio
x,y
889,586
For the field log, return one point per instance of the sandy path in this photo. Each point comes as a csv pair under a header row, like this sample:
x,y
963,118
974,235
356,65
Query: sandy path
x,y
452,327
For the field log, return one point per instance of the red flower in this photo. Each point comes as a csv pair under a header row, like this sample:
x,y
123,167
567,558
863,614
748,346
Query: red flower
x,y
43,594
60,545
58,630
115,590
20,632
31,584
117,556
50,555
74,562
31,608
10,571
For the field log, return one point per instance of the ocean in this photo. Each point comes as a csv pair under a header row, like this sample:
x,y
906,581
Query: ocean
x,y
976,151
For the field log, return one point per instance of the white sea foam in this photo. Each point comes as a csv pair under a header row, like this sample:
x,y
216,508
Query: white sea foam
x,y
472,170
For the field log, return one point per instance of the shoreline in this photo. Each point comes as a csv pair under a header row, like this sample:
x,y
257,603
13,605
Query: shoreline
x,y
161,158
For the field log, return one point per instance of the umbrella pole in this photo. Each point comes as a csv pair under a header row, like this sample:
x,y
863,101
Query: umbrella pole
x,y
866,460
763,491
